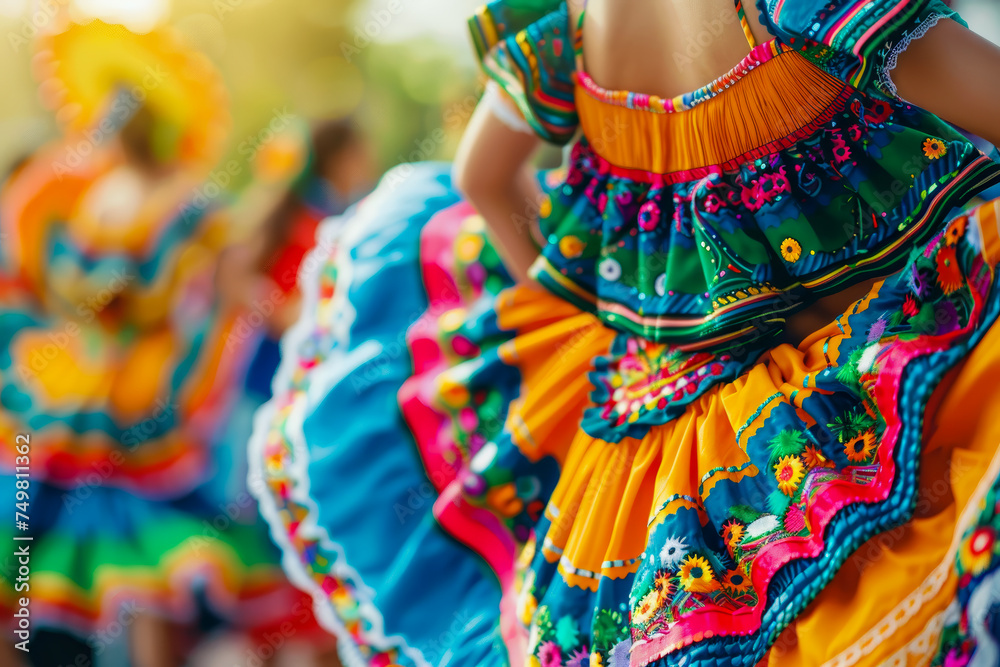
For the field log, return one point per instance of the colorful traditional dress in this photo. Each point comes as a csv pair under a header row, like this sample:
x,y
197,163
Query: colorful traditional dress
x,y
651,475
118,366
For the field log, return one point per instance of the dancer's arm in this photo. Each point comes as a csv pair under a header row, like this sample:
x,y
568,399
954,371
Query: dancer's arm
x,y
492,169
954,73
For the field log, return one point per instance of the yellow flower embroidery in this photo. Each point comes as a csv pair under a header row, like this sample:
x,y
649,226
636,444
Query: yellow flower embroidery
x,y
732,533
791,250
935,149
789,472
736,581
860,448
696,575
646,609
814,458
571,247
545,210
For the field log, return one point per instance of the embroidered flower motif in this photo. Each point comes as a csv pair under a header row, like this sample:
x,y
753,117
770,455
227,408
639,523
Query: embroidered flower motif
x,y
866,362
610,269
580,658
621,653
696,575
751,197
921,280
795,520
712,203
649,216
880,112
771,186
956,230
910,306
977,551
762,526
791,250
732,532
545,209
854,132
949,274
736,582
646,609
663,586
673,551
567,633
935,149
596,660
549,655
861,447
608,629
877,329
571,247
789,472
814,458
841,152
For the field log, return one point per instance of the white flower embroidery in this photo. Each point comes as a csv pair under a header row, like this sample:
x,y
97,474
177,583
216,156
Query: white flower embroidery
x,y
610,269
763,525
673,552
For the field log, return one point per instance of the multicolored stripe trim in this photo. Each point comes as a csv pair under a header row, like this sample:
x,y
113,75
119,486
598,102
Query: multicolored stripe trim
x,y
623,98
534,64
865,29
741,13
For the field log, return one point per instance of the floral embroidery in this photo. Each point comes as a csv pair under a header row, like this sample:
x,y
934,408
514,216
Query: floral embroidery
x,y
955,231
649,376
571,247
935,149
791,250
949,274
976,553
789,472
626,228
737,582
860,448
732,533
696,575
977,564
646,609
673,552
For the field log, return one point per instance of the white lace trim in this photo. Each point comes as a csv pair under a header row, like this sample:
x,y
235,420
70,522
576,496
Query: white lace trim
x,y
335,234
922,648
897,619
886,83
498,104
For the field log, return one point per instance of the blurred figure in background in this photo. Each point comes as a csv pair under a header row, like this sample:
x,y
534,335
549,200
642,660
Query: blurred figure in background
x,y
119,364
340,169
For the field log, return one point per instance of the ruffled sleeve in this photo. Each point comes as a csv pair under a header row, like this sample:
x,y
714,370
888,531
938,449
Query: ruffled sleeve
x,y
856,40
527,47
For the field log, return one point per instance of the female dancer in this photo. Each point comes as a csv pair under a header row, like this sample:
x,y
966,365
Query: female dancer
x,y
743,417
117,364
